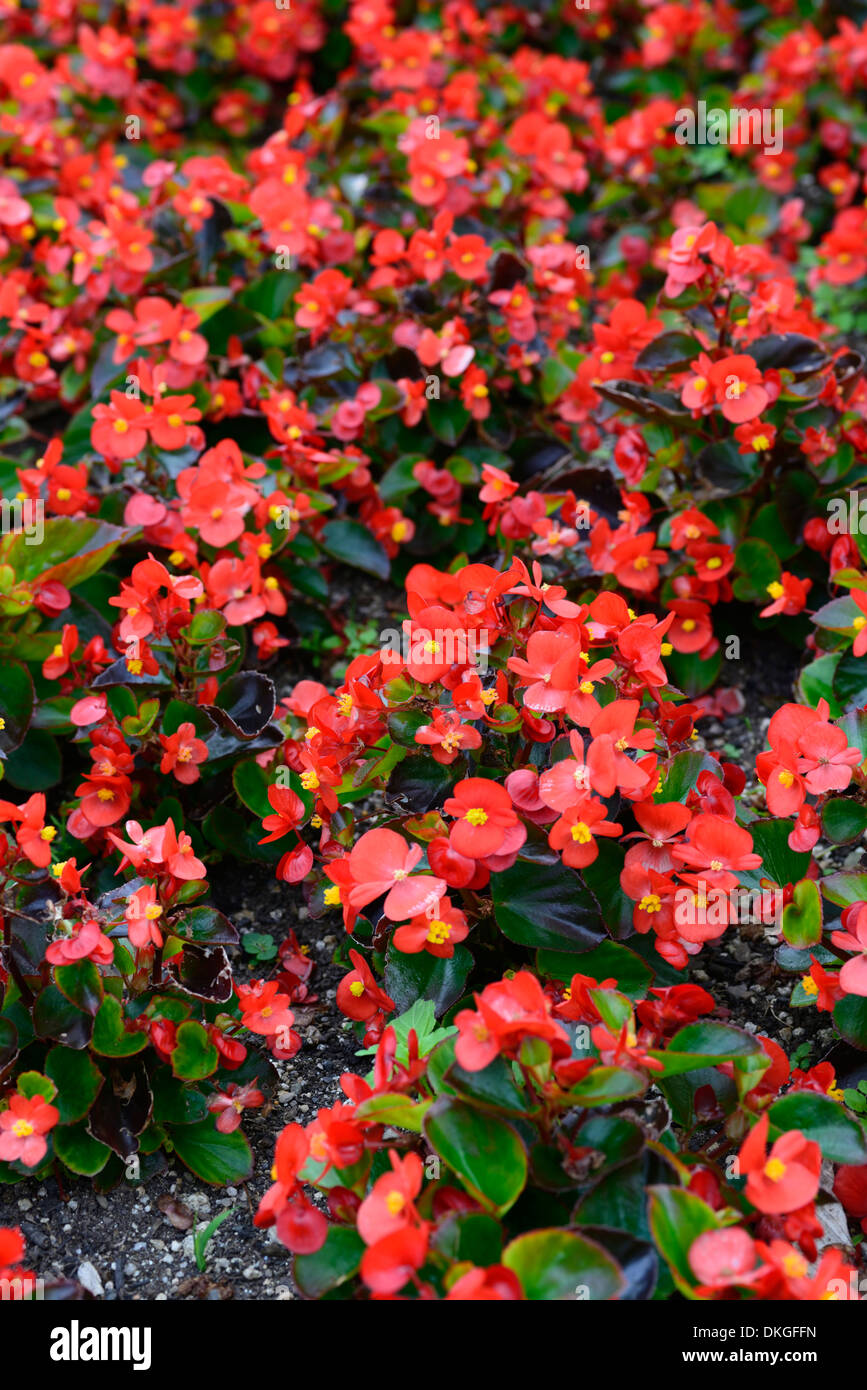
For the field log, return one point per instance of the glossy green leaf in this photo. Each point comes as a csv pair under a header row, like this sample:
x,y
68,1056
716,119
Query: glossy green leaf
x,y
484,1151
77,1080
79,1150
330,1266
195,1056
110,1037
560,1266
219,1159
839,1135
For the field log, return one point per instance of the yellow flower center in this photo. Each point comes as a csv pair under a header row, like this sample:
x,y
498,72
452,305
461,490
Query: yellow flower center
x,y
476,816
438,933
581,832
774,1169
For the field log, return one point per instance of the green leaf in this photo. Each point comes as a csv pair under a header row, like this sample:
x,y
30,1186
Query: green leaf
x,y
802,917
195,1056
839,1136
447,420
618,1200
682,775
220,1159
757,566
79,1150
854,726
844,887
33,1083
110,1037
484,1151
353,544
677,1219
54,1017
175,1103
400,1111
178,712
420,1019
770,525
608,960
469,1235
203,1238
555,378
16,705
207,625
423,976
850,1019
837,616
71,550
251,784
815,682
691,674
546,906
612,1135
205,925
850,680
36,765
77,1080
843,820
606,1085
403,725
558,1266
703,1043
330,1266
8,1043
207,299
779,863
82,985
268,294
493,1086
